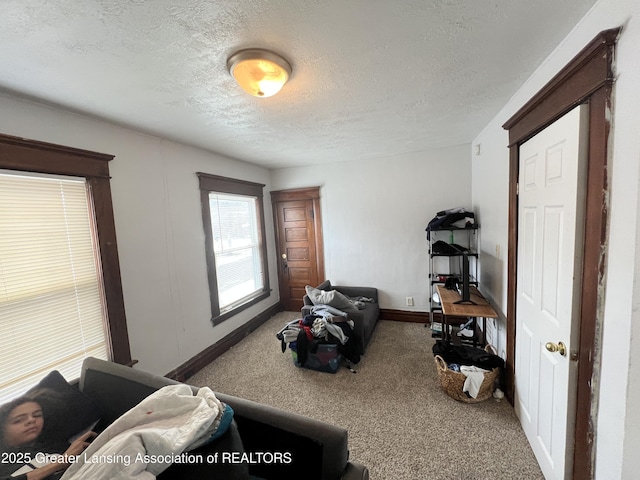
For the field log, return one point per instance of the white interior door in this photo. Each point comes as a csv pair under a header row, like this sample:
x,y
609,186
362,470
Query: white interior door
x,y
550,237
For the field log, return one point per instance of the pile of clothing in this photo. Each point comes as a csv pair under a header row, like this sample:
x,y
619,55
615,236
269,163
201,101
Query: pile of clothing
x,y
324,325
454,217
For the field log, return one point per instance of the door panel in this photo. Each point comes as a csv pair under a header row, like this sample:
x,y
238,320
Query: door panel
x,y
297,271
527,242
525,357
553,225
550,239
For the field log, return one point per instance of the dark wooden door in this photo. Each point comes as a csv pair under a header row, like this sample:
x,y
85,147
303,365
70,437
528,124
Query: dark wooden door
x,y
298,228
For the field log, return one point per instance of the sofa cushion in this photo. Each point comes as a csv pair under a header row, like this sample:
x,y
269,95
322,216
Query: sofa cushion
x,y
67,411
229,442
307,457
326,285
332,298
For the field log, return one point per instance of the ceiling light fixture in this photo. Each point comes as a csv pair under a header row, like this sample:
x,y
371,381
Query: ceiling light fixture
x,y
259,72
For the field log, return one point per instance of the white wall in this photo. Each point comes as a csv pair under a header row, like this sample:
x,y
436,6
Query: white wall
x,y
618,424
375,213
490,174
159,228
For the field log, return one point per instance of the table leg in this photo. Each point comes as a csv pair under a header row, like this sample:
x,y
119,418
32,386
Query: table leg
x,y
446,336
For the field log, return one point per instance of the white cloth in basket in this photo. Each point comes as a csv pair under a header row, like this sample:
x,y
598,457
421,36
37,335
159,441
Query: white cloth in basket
x,y
475,377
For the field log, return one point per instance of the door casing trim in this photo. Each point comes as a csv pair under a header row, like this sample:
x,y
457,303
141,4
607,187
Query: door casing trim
x,y
310,193
588,78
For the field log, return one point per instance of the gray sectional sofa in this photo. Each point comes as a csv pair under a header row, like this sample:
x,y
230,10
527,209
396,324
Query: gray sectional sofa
x,y
365,320
318,450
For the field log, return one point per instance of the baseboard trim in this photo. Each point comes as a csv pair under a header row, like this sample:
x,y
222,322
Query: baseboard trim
x,y
404,316
202,359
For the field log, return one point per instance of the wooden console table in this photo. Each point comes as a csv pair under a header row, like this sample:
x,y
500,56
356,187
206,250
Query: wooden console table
x,y
482,309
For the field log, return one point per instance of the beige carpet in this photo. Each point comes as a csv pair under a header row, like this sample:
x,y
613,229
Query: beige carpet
x,y
400,424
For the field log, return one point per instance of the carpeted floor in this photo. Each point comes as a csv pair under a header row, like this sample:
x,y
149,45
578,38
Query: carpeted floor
x,y
400,424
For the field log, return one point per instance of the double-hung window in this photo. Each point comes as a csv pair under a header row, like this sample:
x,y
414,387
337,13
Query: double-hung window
x,y
60,291
233,218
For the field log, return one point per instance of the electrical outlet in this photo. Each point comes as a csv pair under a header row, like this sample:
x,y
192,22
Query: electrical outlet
x,y
410,301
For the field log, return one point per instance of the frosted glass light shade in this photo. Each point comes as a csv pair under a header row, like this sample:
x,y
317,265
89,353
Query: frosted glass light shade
x,y
259,72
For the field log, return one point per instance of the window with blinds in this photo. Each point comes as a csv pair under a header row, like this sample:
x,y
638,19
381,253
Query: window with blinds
x,y
233,216
236,244
52,311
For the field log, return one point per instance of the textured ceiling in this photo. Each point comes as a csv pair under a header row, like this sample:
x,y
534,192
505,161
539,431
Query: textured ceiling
x,y
371,78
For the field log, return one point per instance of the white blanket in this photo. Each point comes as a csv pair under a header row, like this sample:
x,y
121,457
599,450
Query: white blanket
x,y
141,443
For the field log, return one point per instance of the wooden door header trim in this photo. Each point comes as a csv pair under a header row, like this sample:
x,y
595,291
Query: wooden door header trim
x,y
311,193
588,71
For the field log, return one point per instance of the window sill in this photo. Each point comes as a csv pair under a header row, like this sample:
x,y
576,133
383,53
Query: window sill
x,y
230,313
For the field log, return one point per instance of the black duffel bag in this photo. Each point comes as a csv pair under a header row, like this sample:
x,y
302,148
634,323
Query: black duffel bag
x,y
467,355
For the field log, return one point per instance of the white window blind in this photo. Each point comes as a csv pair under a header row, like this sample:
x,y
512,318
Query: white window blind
x,y
236,243
52,312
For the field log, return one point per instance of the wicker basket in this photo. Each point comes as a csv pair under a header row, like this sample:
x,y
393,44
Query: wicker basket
x,y
452,382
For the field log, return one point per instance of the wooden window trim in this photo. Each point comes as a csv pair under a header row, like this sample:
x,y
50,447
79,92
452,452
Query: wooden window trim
x,y
33,156
215,183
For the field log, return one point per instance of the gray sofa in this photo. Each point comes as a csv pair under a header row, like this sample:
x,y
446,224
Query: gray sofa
x,y
318,450
365,320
